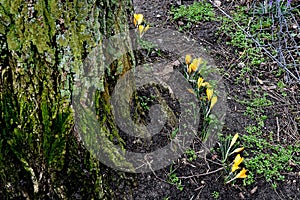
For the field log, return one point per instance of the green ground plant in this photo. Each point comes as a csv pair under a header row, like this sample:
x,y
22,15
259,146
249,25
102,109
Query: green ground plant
x,y
174,180
249,54
262,26
267,159
146,101
215,194
198,11
191,154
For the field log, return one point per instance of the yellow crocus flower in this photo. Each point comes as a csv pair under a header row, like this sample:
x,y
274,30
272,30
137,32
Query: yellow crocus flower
x,y
237,161
209,93
146,28
205,84
242,174
237,150
138,19
200,61
193,66
188,59
235,137
143,29
200,81
213,101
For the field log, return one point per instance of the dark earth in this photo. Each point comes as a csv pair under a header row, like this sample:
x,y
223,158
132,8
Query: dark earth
x,y
200,177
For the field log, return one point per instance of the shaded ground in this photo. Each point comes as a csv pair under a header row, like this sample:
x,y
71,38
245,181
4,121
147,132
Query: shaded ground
x,y
196,184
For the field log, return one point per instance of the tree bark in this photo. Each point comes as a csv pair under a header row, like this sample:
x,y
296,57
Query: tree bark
x,y
42,45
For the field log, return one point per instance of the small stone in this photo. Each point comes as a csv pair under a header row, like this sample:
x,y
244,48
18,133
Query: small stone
x,y
202,182
180,23
158,16
241,64
217,3
294,26
178,2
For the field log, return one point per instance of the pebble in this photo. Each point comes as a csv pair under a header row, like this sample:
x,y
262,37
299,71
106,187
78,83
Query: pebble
x,y
180,23
217,3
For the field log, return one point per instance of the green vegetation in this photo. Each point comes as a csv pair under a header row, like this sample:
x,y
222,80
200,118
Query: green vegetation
x,y
198,11
266,157
215,194
251,29
174,180
191,154
249,54
268,160
145,101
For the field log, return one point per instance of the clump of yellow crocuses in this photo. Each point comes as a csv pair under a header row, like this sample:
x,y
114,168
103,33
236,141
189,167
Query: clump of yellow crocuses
x,y
140,24
227,151
193,66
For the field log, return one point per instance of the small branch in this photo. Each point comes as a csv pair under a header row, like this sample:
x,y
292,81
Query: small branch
x,y
204,174
256,42
278,128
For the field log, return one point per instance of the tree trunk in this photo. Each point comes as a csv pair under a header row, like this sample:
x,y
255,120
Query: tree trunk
x,y
42,46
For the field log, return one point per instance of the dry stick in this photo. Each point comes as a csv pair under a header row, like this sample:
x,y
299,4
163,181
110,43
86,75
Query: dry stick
x,y
204,174
278,128
256,42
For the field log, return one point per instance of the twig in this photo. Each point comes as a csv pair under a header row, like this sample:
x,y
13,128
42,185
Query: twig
x,y
278,128
204,174
257,43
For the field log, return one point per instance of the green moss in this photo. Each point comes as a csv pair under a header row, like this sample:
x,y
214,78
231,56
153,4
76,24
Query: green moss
x,y
42,46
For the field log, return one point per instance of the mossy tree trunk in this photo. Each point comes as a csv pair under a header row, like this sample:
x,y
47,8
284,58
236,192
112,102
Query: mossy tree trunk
x,y
42,45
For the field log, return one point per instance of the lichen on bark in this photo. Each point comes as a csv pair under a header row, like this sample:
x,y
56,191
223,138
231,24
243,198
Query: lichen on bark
x,y
42,45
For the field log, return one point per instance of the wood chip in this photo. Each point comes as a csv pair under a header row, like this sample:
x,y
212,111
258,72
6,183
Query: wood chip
x,y
259,80
253,190
241,195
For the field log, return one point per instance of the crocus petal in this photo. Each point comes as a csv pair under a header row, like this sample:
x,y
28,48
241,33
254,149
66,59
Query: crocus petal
x,y
189,69
206,84
209,93
242,174
188,59
200,81
235,137
237,150
134,22
237,158
141,29
138,19
194,65
213,101
146,28
237,161
234,168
